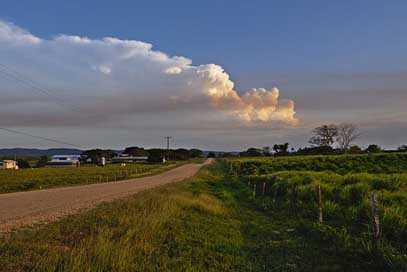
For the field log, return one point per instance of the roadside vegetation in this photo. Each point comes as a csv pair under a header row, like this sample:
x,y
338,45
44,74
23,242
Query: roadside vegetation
x,y
43,178
218,221
382,163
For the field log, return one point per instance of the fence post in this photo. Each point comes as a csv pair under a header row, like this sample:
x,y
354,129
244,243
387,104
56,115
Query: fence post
x,y
264,188
275,192
319,203
254,190
375,218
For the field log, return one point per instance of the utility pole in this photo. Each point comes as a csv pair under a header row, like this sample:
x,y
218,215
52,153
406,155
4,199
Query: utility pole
x,y
168,146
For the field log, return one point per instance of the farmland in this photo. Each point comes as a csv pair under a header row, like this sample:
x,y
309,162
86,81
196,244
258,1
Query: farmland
x,y
342,164
42,178
232,218
289,188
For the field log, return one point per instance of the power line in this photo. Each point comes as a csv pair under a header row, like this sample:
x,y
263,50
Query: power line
x,y
38,137
29,83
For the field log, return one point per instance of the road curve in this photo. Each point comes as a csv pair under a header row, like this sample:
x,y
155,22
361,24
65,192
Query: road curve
x,y
27,208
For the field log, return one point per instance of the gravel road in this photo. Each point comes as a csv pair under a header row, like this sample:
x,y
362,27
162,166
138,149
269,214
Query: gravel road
x,y
27,208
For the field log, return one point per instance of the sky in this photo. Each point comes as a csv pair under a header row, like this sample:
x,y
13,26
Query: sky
x,y
216,75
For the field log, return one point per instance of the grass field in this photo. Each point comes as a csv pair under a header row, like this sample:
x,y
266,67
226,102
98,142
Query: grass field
x,y
342,164
217,222
42,178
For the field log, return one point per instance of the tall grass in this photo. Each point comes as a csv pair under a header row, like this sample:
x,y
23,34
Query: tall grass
x,y
346,206
174,228
213,222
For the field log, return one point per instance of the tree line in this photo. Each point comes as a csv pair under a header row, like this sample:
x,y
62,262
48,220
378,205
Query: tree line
x,y
329,139
154,154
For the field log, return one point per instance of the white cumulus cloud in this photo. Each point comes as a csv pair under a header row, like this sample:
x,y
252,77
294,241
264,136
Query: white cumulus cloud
x,y
119,78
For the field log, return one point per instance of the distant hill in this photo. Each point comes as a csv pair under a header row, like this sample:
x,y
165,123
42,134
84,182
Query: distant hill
x,y
33,152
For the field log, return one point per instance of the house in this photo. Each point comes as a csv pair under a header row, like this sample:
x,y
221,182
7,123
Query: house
x,y
125,158
8,165
64,161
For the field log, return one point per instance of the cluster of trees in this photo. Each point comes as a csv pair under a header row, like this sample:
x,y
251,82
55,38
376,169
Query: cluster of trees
x,y
327,135
154,154
326,140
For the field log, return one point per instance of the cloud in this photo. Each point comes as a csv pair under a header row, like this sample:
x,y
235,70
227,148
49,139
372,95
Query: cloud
x,y
105,69
112,79
11,34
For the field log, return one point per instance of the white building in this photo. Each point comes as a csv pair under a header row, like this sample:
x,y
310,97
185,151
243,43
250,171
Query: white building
x,y
64,161
125,158
8,165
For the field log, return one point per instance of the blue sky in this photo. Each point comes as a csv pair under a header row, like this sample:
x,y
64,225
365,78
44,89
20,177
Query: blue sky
x,y
338,60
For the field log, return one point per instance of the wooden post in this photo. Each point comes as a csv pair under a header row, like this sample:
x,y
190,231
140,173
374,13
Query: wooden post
x,y
254,190
375,218
319,203
264,188
275,193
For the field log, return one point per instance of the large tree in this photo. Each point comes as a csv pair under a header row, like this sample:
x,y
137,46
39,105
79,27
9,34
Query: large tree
x,y
324,135
196,153
373,148
135,151
95,154
281,149
347,133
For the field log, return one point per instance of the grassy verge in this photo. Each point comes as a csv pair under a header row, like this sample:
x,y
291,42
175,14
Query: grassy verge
x,y
174,228
43,178
211,222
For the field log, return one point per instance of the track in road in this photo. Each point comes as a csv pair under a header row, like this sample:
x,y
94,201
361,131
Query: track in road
x,y
27,208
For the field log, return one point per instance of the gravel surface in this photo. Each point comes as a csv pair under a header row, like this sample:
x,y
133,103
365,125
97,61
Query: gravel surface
x,y
28,208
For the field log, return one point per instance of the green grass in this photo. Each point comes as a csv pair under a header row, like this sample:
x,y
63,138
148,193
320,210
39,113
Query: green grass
x,y
174,228
42,178
211,222
383,163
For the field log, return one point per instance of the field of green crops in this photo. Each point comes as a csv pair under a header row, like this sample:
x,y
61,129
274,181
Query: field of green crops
x,y
341,164
41,178
288,188
228,219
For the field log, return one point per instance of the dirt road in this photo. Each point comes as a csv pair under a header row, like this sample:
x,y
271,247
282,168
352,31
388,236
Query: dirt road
x,y
26,208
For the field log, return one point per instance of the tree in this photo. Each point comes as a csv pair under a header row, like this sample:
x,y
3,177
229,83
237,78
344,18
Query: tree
x,y
373,148
316,150
95,154
402,148
346,134
42,161
180,154
196,153
211,155
324,135
281,149
23,163
156,155
135,151
251,152
354,149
